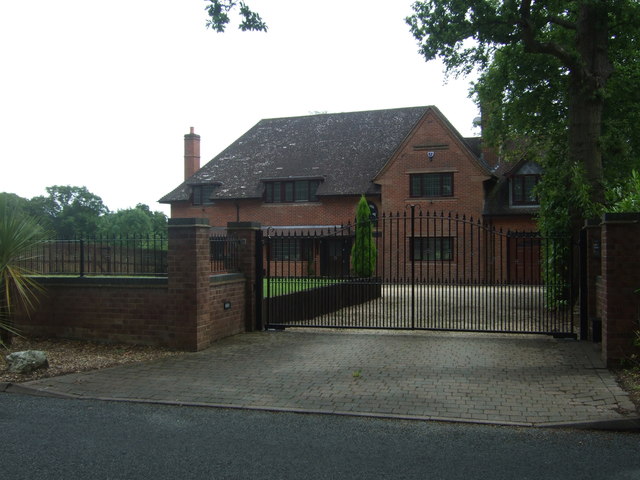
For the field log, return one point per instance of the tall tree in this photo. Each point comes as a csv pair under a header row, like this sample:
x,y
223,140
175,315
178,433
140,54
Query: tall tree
x,y
71,211
558,55
15,202
139,220
363,252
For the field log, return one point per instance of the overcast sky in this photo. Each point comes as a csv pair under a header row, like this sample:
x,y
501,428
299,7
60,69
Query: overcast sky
x,y
100,94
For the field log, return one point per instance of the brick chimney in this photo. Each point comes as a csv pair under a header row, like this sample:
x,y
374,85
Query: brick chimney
x,y
191,154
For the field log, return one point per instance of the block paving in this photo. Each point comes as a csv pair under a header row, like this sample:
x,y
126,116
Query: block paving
x,y
527,380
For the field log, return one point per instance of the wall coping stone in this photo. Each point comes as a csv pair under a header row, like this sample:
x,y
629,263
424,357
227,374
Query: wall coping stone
x,y
621,218
221,279
103,281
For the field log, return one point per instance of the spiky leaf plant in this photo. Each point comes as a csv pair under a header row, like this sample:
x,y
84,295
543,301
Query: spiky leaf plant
x,y
18,235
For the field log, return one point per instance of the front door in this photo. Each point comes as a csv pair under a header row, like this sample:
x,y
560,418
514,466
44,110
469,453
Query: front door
x,y
334,257
524,260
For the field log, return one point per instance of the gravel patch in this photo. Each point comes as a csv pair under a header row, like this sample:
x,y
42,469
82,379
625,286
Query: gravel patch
x,y
73,356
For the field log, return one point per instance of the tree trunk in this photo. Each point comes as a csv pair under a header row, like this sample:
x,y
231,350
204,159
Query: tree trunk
x,y
585,106
584,131
588,78
586,95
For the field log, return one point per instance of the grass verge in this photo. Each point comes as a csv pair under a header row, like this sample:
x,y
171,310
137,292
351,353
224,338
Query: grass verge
x,y
274,287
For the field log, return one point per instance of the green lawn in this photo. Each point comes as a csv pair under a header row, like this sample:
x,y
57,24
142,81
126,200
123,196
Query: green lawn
x,y
283,286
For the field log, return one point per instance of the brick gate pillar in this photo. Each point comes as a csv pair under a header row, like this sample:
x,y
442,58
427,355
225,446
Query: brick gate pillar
x,y
620,280
188,283
250,264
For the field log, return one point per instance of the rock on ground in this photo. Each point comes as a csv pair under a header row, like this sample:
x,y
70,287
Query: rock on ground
x,y
27,361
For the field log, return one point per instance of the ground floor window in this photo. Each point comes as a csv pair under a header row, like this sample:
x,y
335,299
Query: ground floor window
x,y
291,249
432,248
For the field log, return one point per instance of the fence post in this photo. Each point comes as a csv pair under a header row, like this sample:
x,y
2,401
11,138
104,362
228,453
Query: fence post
x,y
188,279
413,266
249,236
82,257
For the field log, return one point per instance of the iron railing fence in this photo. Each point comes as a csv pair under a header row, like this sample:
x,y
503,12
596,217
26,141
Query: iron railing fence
x,y
428,270
224,253
128,255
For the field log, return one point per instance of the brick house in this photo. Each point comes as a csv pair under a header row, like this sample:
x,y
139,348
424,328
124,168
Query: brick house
x,y
309,172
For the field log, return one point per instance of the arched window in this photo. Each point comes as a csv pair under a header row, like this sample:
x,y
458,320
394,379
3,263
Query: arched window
x,y
374,212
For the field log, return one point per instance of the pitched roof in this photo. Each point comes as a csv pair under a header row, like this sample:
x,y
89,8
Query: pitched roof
x,y
345,150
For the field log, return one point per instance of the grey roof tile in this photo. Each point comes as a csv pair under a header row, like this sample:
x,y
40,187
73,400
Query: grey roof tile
x,y
346,150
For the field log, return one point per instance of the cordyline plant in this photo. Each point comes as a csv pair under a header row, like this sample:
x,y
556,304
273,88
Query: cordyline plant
x,y
18,234
363,252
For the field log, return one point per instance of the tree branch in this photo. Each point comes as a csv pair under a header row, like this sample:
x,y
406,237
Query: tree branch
x,y
562,22
532,45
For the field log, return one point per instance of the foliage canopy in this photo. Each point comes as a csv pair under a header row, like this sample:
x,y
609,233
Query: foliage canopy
x,y
69,212
557,83
219,16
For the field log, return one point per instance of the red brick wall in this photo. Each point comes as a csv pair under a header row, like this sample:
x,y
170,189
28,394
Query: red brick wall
x,y
132,311
328,211
102,310
189,269
223,323
619,304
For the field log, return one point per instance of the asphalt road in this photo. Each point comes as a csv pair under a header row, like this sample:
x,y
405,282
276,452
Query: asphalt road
x,y
48,438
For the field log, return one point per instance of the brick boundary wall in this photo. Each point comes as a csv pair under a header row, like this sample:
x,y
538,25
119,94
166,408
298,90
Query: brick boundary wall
x,y
115,310
620,279
613,275
189,310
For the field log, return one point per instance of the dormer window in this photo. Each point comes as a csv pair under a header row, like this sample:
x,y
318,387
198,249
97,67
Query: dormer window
x,y
522,189
291,191
202,194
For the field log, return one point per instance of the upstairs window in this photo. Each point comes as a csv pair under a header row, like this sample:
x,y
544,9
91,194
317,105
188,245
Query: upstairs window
x,y
201,194
291,191
522,189
432,184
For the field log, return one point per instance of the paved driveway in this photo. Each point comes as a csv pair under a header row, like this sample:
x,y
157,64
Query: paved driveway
x,y
488,378
484,308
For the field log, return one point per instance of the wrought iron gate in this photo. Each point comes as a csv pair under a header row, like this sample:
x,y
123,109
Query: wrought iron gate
x,y
432,271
